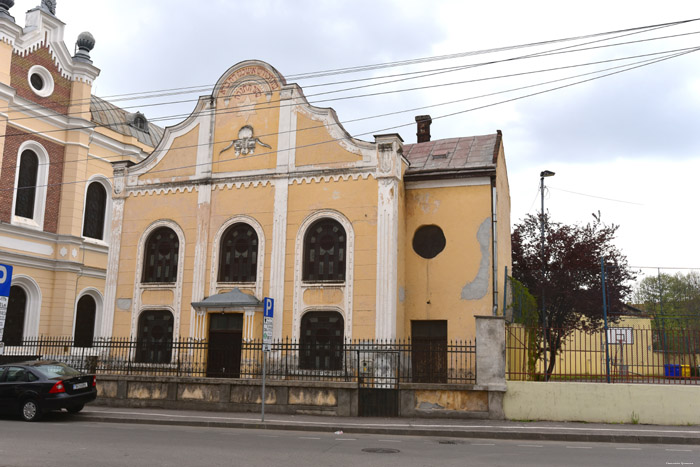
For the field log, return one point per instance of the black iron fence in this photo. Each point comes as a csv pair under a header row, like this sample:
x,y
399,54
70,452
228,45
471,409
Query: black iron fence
x,y
629,354
368,362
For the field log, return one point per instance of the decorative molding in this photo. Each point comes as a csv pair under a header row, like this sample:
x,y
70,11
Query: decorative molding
x,y
26,246
162,190
300,179
279,254
50,264
300,287
99,308
112,267
42,177
32,313
200,258
387,257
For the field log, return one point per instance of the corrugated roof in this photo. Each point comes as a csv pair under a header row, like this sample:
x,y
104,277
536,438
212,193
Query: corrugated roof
x,y
452,155
121,121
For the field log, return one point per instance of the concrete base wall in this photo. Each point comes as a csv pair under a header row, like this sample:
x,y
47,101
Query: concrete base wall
x,y
659,404
293,397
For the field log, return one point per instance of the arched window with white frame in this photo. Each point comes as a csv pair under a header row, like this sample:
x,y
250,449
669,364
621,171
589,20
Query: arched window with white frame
x,y
96,211
31,178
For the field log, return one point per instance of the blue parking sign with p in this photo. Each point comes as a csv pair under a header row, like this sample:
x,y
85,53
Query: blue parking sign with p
x,y
5,279
268,307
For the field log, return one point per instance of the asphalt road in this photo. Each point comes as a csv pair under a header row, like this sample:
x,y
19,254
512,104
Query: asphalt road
x,y
61,439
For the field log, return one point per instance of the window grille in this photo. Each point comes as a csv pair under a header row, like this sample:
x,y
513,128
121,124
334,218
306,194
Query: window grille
x,y
324,252
238,259
160,262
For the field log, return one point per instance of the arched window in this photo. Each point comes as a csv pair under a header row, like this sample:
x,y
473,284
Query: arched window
x,y
324,252
85,321
238,260
26,184
160,260
321,341
16,311
155,337
95,210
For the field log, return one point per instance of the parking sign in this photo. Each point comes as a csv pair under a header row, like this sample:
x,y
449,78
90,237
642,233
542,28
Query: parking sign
x,y
5,283
268,312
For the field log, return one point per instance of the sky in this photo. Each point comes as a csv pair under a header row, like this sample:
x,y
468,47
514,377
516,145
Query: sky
x,y
625,145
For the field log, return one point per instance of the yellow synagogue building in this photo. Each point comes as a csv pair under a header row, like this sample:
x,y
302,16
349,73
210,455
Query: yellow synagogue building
x,y
256,194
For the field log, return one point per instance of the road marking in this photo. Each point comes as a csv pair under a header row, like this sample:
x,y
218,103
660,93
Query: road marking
x,y
530,445
483,444
680,450
268,436
629,449
389,440
346,439
308,437
578,447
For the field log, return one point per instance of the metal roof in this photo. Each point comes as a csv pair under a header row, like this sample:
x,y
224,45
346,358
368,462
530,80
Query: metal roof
x,y
453,155
107,114
228,300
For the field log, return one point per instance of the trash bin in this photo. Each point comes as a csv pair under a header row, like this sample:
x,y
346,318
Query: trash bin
x,y
685,371
672,371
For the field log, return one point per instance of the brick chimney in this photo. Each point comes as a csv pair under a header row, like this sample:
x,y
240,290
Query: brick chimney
x,y
423,128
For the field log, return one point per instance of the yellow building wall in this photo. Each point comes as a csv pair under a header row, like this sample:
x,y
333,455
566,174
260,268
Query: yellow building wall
x,y
434,286
357,201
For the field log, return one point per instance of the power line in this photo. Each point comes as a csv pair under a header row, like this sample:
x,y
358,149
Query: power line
x,y
397,126
427,73
599,197
669,54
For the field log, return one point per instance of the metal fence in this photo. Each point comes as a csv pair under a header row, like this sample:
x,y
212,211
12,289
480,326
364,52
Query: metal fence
x,y
628,355
361,361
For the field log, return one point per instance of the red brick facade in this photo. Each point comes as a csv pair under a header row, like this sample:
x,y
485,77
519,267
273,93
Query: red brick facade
x,y
60,99
56,152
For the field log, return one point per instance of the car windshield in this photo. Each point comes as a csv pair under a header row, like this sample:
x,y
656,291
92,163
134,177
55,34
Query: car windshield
x,y
56,370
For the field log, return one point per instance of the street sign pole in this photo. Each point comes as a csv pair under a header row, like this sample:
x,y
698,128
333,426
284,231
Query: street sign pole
x,y
5,283
268,311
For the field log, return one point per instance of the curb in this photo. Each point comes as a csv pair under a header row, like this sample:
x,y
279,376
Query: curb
x,y
438,432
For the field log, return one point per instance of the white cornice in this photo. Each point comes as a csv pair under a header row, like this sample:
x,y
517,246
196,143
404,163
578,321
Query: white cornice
x,y
9,31
48,264
127,150
446,183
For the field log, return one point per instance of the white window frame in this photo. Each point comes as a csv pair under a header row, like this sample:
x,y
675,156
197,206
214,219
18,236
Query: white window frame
x,y
101,179
42,177
45,74
99,304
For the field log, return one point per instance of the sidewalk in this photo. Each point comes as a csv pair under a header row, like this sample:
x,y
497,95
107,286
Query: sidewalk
x,y
484,429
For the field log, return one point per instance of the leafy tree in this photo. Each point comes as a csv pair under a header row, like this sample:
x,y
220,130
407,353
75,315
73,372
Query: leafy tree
x,y
673,301
571,281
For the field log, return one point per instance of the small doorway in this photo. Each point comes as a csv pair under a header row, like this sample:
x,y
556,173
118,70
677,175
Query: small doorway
x,y
429,351
224,353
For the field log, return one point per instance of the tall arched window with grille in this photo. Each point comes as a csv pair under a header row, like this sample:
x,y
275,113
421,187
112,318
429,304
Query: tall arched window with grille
x,y
155,337
95,211
160,256
238,259
85,321
26,184
16,313
321,341
325,252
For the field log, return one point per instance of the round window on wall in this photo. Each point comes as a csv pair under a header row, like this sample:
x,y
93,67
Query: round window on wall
x,y
40,81
429,241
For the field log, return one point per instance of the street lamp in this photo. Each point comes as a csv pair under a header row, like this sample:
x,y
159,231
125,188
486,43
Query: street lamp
x,y
543,174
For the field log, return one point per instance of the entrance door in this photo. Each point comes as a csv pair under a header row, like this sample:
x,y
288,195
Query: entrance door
x,y
224,354
429,351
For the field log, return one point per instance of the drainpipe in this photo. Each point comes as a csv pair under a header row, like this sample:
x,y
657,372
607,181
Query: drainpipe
x,y
494,240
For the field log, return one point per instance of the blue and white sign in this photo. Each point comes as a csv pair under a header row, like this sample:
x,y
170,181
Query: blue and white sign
x,y
5,279
268,312
5,283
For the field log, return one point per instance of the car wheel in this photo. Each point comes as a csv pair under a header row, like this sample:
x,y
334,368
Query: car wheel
x,y
31,411
75,408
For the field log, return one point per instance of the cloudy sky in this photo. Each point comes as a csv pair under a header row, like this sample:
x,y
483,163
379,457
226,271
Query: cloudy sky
x,y
625,145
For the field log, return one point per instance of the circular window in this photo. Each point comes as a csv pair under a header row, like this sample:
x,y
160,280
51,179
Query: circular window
x,y
40,81
429,241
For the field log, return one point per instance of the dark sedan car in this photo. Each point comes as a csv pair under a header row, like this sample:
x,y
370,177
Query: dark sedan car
x,y
33,388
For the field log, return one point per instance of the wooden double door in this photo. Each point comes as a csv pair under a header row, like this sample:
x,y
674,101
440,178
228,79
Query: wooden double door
x,y
224,351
